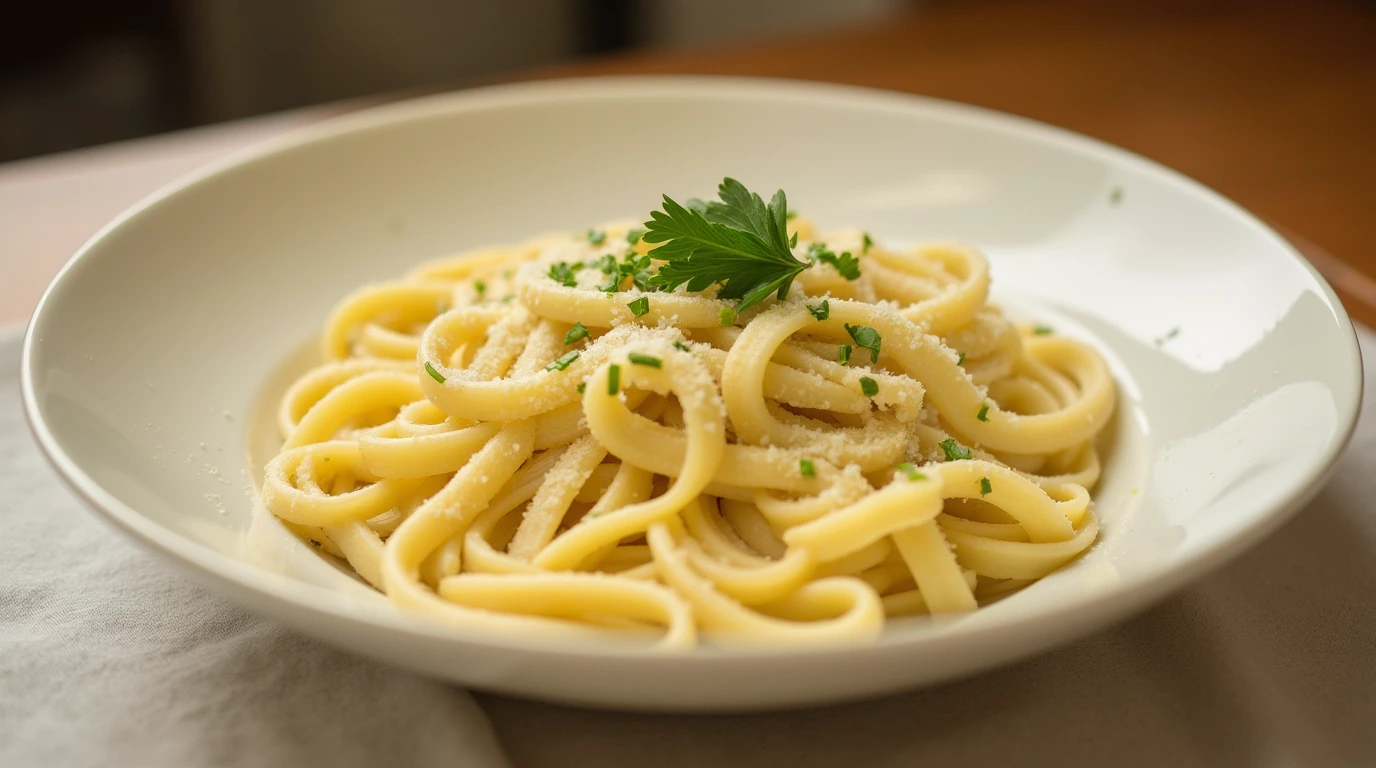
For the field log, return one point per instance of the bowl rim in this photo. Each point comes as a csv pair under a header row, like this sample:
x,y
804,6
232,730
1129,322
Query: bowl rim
x,y
229,573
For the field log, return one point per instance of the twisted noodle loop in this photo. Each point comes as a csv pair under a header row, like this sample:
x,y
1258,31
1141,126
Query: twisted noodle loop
x,y
520,439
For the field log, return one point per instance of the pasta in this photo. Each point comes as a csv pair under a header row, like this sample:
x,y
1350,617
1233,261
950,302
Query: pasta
x,y
532,439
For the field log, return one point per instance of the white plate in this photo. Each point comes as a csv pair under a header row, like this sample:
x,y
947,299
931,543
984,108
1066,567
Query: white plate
x,y
146,353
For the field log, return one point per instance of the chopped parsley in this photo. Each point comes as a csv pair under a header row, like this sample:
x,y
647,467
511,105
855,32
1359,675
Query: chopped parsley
x,y
564,272
961,360
582,387
434,374
846,264
983,414
821,311
634,234
1115,196
480,287
576,333
563,361
866,338
985,487
869,386
865,243
597,236
910,471
1172,333
640,307
1042,330
727,316
682,347
791,214
806,468
954,451
613,379
507,298
646,360
844,357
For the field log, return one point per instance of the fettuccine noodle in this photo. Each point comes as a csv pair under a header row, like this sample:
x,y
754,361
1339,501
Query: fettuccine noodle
x,y
679,472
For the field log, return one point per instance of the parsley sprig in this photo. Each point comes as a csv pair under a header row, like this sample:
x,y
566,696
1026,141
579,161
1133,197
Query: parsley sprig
x,y
739,243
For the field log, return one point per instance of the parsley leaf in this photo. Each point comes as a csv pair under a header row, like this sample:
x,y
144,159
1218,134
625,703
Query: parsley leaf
x,y
640,307
806,468
908,469
739,243
634,234
596,236
983,414
866,338
844,357
869,386
646,360
1042,330
954,451
985,487
846,264
680,346
821,311
564,272
866,243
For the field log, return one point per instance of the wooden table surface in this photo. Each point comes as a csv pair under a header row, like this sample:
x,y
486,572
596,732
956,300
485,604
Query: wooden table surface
x,y
1272,104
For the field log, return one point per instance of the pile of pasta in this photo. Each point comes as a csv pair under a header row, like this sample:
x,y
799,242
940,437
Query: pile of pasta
x,y
743,486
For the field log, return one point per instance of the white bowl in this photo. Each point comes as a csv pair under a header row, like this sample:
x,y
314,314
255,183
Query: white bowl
x,y
146,354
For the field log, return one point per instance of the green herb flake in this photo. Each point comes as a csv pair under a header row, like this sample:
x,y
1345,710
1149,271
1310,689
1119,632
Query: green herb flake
x,y
597,236
576,333
680,346
582,387
606,263
821,311
480,287
1172,333
985,487
954,451
1042,330
791,214
613,379
634,234
563,361
739,243
910,471
983,414
961,360
1115,196
563,273
869,386
866,338
846,264
865,243
646,360
434,374
507,298
727,316
844,357
806,468
640,307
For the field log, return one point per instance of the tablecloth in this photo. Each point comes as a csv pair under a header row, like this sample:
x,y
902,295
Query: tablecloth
x,y
109,656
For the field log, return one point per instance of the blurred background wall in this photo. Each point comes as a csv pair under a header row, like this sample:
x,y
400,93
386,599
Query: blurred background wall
x,y
73,74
